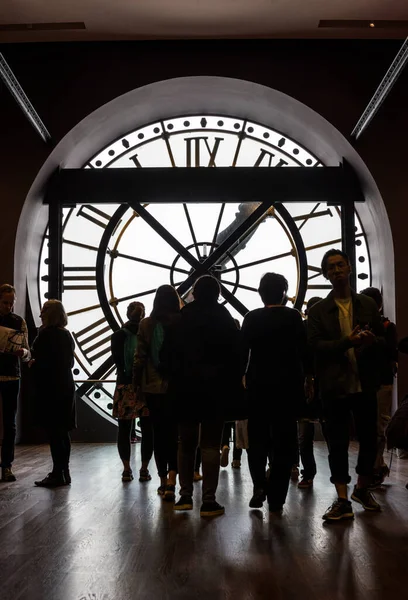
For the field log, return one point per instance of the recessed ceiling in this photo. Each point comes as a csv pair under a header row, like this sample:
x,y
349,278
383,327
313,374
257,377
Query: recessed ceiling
x,y
52,20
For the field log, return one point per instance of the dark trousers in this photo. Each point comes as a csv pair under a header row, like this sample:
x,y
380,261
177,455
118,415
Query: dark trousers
x,y
210,440
276,439
337,413
125,428
164,433
226,437
60,446
9,391
306,431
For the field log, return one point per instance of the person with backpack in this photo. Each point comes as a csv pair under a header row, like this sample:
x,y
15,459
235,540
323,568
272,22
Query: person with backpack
x,y
126,405
384,394
148,380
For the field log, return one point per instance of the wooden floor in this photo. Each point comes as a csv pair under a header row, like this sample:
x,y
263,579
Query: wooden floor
x,y
103,540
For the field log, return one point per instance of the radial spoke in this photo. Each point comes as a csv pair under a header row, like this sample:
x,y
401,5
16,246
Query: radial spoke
x,y
260,261
148,262
138,295
217,227
190,224
239,285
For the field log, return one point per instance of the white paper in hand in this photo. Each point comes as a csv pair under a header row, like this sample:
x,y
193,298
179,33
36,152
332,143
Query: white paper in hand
x,y
10,340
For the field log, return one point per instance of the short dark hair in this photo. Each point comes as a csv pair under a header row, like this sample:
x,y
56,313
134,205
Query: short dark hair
x,y
311,302
375,294
6,288
328,254
133,306
272,288
206,289
166,303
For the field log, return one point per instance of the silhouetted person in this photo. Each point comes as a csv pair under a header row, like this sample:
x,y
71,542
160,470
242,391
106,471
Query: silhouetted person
x,y
202,356
274,338
126,405
10,375
346,335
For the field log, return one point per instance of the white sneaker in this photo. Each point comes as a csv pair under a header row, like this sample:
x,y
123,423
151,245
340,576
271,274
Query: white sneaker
x,y
224,456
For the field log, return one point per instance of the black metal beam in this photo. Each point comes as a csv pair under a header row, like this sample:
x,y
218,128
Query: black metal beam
x,y
15,89
382,91
55,250
348,235
333,185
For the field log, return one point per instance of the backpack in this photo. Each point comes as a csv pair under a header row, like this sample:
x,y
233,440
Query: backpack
x,y
129,351
397,430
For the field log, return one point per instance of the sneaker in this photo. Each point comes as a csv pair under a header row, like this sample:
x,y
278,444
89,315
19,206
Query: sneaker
x,y
52,480
340,509
236,464
169,493
144,475
379,477
364,497
257,499
185,503
224,456
305,483
161,489
197,476
211,509
7,474
127,475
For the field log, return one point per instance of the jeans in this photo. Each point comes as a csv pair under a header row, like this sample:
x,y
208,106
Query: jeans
x,y
60,446
9,391
306,430
274,438
164,433
337,412
384,401
226,436
125,428
211,432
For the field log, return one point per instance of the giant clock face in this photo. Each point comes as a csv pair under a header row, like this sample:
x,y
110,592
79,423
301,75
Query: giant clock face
x,y
111,256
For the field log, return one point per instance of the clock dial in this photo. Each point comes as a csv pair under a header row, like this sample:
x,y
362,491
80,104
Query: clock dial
x,y
113,255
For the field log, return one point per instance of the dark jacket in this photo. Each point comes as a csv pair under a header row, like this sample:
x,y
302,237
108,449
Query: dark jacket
x,y
329,347
275,341
118,340
54,401
201,357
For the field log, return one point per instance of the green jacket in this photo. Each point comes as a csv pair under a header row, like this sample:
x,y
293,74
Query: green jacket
x,y
329,347
145,373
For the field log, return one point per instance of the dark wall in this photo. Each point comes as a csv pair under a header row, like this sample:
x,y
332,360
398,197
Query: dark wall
x,y
66,82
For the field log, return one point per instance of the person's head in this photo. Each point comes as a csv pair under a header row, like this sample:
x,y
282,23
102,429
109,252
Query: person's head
x,y
7,299
53,314
273,289
206,289
375,294
166,303
336,267
135,311
311,302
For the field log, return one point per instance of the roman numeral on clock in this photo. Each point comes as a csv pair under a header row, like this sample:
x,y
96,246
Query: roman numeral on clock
x,y
79,278
195,146
94,214
265,158
91,340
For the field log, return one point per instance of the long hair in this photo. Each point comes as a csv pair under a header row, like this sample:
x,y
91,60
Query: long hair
x,y
53,314
166,303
